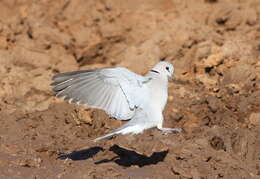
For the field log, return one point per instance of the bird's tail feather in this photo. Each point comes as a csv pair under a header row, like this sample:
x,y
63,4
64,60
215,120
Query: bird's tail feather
x,y
134,126
115,132
105,136
125,129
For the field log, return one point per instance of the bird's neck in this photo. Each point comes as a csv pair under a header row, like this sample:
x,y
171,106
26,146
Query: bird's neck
x,y
158,77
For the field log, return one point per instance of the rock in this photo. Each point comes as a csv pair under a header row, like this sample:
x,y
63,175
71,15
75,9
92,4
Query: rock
x,y
203,50
84,115
30,162
3,42
238,48
208,81
254,118
213,60
213,103
182,92
239,75
217,143
251,16
228,17
193,122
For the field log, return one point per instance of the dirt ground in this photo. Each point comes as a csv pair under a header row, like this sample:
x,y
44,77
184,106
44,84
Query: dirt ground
x,y
214,45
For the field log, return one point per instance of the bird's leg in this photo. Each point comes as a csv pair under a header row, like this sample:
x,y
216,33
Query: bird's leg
x,y
168,130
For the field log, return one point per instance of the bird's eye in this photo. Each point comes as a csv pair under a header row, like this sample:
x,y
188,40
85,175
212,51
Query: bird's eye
x,y
167,68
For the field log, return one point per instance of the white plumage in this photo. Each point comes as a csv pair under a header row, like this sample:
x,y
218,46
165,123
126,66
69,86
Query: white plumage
x,y
122,93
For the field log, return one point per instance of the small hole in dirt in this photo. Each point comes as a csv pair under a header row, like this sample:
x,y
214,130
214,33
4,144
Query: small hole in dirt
x,y
66,47
48,47
29,34
55,70
220,74
163,59
217,143
211,1
258,47
208,159
208,69
100,47
175,172
221,21
195,69
180,158
220,175
10,40
80,59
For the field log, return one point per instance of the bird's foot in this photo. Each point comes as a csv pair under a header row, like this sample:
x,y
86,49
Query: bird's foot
x,y
170,130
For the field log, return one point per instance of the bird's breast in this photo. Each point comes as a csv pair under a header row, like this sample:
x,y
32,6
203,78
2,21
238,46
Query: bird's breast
x,y
158,95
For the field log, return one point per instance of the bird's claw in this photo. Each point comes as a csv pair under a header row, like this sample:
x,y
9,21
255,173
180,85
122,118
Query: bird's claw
x,y
170,130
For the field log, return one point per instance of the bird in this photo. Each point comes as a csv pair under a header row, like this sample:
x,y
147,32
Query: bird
x,y
122,94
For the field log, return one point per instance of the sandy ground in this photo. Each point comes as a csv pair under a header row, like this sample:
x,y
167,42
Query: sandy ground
x,y
214,45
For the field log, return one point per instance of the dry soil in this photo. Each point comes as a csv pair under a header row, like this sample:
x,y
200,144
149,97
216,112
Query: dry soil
x,y
214,45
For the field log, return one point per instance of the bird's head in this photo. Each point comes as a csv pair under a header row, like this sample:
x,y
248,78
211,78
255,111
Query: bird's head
x,y
164,68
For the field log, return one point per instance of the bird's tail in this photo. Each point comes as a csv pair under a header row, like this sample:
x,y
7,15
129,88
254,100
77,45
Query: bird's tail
x,y
125,129
106,136
135,126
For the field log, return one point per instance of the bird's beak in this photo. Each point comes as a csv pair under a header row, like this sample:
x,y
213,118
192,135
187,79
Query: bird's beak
x,y
172,78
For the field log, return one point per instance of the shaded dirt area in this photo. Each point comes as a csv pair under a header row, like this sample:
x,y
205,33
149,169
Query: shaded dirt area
x,y
214,45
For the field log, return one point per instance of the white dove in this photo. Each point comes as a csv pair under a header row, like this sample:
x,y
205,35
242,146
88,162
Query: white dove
x,y
122,94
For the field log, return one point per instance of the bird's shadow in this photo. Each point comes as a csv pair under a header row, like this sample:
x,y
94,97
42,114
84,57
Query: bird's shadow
x,y
124,157
128,158
81,154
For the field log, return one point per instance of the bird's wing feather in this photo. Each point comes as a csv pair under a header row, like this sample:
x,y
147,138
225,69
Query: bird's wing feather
x,y
115,90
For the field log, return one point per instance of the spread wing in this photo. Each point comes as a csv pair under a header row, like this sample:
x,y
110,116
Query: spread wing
x,y
118,91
